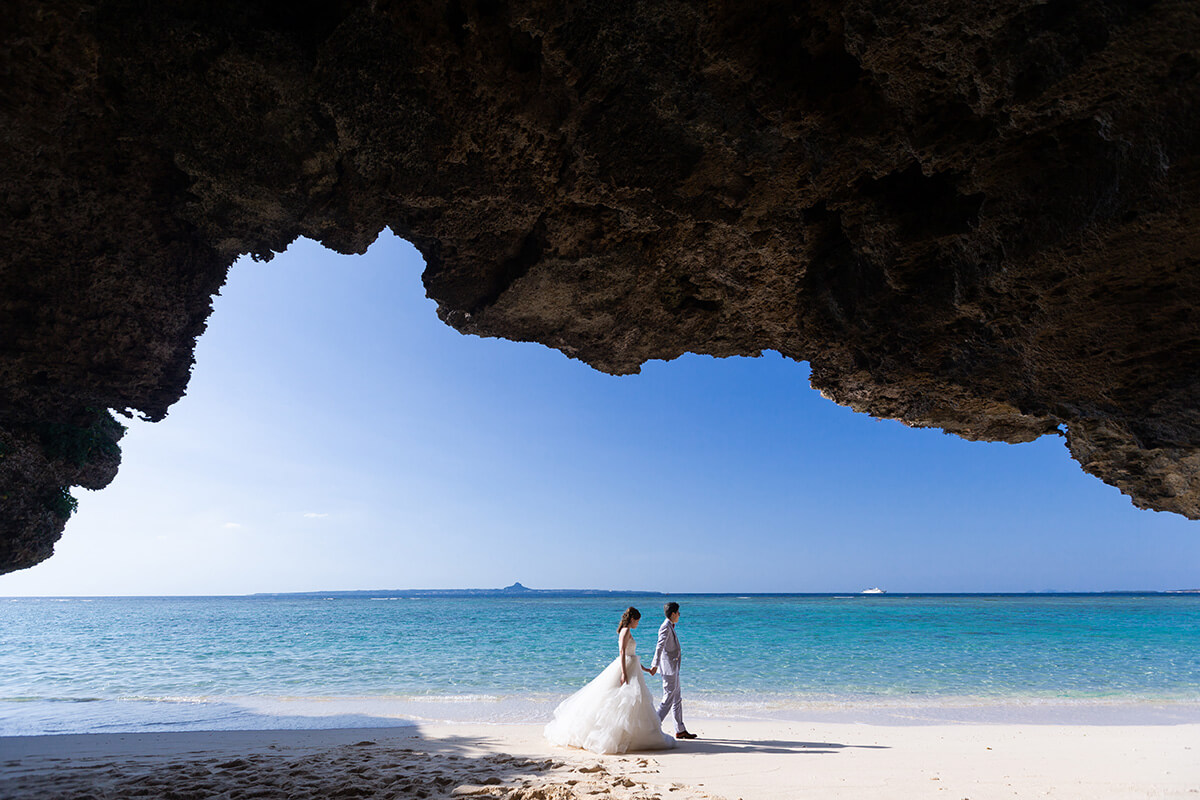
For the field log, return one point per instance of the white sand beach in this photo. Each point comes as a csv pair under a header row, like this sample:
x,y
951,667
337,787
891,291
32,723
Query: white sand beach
x,y
734,759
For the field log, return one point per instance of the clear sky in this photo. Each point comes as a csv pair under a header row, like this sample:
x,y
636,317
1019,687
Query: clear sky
x,y
335,435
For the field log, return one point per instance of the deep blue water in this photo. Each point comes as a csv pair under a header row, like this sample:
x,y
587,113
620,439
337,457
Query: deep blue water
x,y
80,664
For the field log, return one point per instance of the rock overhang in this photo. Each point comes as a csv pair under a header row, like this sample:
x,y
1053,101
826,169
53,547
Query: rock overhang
x,y
981,219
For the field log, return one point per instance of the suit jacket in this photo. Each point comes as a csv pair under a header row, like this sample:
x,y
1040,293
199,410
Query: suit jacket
x,y
667,653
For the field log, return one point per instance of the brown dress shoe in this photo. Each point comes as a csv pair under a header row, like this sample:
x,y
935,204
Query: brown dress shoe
x,y
686,735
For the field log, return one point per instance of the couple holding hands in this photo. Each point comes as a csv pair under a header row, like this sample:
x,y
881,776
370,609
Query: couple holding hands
x,y
615,713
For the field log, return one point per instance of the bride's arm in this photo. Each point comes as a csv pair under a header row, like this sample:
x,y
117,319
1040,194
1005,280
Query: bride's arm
x,y
623,640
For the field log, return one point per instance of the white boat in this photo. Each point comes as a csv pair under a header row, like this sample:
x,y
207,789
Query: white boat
x,y
874,590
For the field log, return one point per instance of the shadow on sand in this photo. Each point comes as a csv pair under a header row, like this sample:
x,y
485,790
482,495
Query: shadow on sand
x,y
764,746
392,763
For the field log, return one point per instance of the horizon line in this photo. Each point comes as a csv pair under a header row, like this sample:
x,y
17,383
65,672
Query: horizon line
x,y
623,592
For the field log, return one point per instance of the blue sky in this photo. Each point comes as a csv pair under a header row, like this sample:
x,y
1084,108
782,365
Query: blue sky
x,y
335,435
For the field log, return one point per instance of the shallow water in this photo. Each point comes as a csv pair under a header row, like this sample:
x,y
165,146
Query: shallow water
x,y
104,664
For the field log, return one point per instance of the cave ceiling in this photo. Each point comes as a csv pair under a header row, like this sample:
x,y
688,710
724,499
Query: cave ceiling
x,y
979,217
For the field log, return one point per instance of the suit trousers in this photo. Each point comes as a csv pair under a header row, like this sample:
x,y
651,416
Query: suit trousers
x,y
672,698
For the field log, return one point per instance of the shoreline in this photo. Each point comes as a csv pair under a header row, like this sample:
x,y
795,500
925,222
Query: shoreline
x,y
32,717
755,760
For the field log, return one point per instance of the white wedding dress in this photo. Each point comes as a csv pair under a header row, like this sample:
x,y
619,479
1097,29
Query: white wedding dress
x,y
608,717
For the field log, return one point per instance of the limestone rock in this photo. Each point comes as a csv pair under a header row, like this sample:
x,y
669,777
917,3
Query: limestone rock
x,y
977,217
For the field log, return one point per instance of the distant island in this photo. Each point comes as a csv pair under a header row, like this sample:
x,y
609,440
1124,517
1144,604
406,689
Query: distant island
x,y
516,589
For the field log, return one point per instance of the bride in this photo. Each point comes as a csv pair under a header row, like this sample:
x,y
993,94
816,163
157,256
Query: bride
x,y
615,712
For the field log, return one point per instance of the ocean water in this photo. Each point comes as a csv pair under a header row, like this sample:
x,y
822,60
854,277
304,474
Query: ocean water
x,y
71,665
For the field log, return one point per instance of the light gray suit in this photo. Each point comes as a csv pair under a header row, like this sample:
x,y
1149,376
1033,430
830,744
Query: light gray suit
x,y
668,655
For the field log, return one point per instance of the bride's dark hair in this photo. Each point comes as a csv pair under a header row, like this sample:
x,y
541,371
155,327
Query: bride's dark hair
x,y
629,616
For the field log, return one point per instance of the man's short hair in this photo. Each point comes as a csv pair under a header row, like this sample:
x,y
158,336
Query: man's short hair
x,y
671,608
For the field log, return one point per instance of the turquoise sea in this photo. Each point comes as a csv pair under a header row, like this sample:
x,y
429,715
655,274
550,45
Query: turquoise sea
x,y
175,663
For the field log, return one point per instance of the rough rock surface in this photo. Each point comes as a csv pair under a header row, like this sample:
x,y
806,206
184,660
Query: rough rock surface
x,y
975,216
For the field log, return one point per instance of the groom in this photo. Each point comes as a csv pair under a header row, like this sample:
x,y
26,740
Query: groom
x,y
668,654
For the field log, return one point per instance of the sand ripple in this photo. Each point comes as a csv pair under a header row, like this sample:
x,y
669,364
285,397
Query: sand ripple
x,y
362,771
